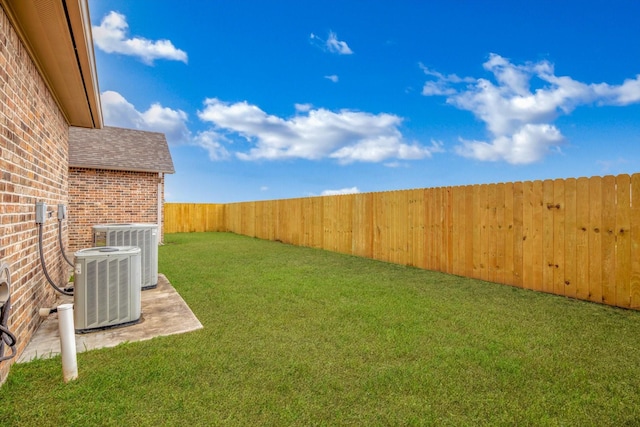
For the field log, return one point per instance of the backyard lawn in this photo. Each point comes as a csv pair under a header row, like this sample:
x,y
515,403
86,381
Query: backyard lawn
x,y
299,336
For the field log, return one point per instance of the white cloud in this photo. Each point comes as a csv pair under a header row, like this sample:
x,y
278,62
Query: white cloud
x,y
626,93
213,143
332,44
119,112
336,46
303,108
334,78
519,118
352,190
111,37
347,136
441,84
528,144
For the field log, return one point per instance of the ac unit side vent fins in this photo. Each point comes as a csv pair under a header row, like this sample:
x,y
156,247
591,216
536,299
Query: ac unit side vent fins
x,y
107,287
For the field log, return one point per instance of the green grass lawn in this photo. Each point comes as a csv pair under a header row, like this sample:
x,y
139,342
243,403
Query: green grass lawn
x,y
297,336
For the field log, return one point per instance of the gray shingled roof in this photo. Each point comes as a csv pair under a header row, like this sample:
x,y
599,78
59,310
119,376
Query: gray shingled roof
x,y
119,149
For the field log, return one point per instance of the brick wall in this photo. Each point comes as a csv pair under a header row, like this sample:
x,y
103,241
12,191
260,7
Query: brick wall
x,y
33,167
98,196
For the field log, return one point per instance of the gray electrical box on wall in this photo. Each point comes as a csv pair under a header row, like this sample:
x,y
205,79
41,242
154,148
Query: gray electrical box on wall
x,y
41,212
62,211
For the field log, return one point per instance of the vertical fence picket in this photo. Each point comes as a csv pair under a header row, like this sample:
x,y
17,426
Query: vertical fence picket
x,y
469,230
362,225
415,230
269,224
328,224
307,225
623,241
436,249
483,264
430,229
426,238
608,240
508,225
457,253
436,253
570,236
300,222
518,234
582,238
558,210
251,220
477,231
634,280
537,236
527,235
259,220
445,246
346,214
448,242
378,219
312,212
595,239
492,234
547,235
461,237
500,234
295,221
318,223
265,221
398,227
420,230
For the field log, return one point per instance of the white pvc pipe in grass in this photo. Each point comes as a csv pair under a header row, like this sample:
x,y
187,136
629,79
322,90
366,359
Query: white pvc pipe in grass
x,y
67,342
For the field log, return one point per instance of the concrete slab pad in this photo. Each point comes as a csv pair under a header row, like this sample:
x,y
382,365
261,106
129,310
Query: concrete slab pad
x,y
164,312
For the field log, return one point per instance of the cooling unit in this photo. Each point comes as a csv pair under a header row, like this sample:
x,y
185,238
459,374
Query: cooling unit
x,y
107,287
144,236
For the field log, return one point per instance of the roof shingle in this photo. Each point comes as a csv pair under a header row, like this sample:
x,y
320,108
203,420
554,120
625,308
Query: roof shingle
x,y
119,149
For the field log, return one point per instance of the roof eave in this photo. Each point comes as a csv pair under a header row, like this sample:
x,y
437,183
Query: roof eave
x,y
57,35
122,169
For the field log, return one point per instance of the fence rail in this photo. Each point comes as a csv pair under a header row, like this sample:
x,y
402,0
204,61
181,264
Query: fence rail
x,y
574,237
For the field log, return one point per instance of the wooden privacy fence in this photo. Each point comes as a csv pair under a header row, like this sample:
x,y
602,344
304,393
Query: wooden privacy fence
x,y
574,237
193,217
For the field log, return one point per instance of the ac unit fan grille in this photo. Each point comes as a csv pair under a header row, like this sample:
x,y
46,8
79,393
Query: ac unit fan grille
x,y
107,287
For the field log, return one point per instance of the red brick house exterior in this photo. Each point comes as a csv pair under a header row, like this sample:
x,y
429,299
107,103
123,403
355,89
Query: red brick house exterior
x,y
116,175
47,83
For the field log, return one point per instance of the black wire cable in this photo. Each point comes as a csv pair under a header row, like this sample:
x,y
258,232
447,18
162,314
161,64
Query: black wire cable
x,y
5,335
44,267
10,339
61,246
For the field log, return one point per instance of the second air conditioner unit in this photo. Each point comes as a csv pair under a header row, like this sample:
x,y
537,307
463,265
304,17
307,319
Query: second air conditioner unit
x,y
106,287
144,236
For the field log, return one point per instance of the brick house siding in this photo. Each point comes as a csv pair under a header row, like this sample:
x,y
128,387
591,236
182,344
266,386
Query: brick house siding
x,y
99,196
33,162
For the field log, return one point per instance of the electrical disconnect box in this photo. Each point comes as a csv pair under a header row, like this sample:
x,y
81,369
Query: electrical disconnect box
x,y
62,211
41,212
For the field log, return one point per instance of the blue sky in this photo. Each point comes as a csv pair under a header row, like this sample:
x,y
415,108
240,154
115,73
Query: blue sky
x,y
280,99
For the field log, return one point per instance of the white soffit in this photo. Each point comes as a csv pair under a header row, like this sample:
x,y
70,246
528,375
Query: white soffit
x,y
57,34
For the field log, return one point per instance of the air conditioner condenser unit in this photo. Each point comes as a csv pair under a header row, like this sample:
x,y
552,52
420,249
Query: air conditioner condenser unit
x,y
107,290
144,236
